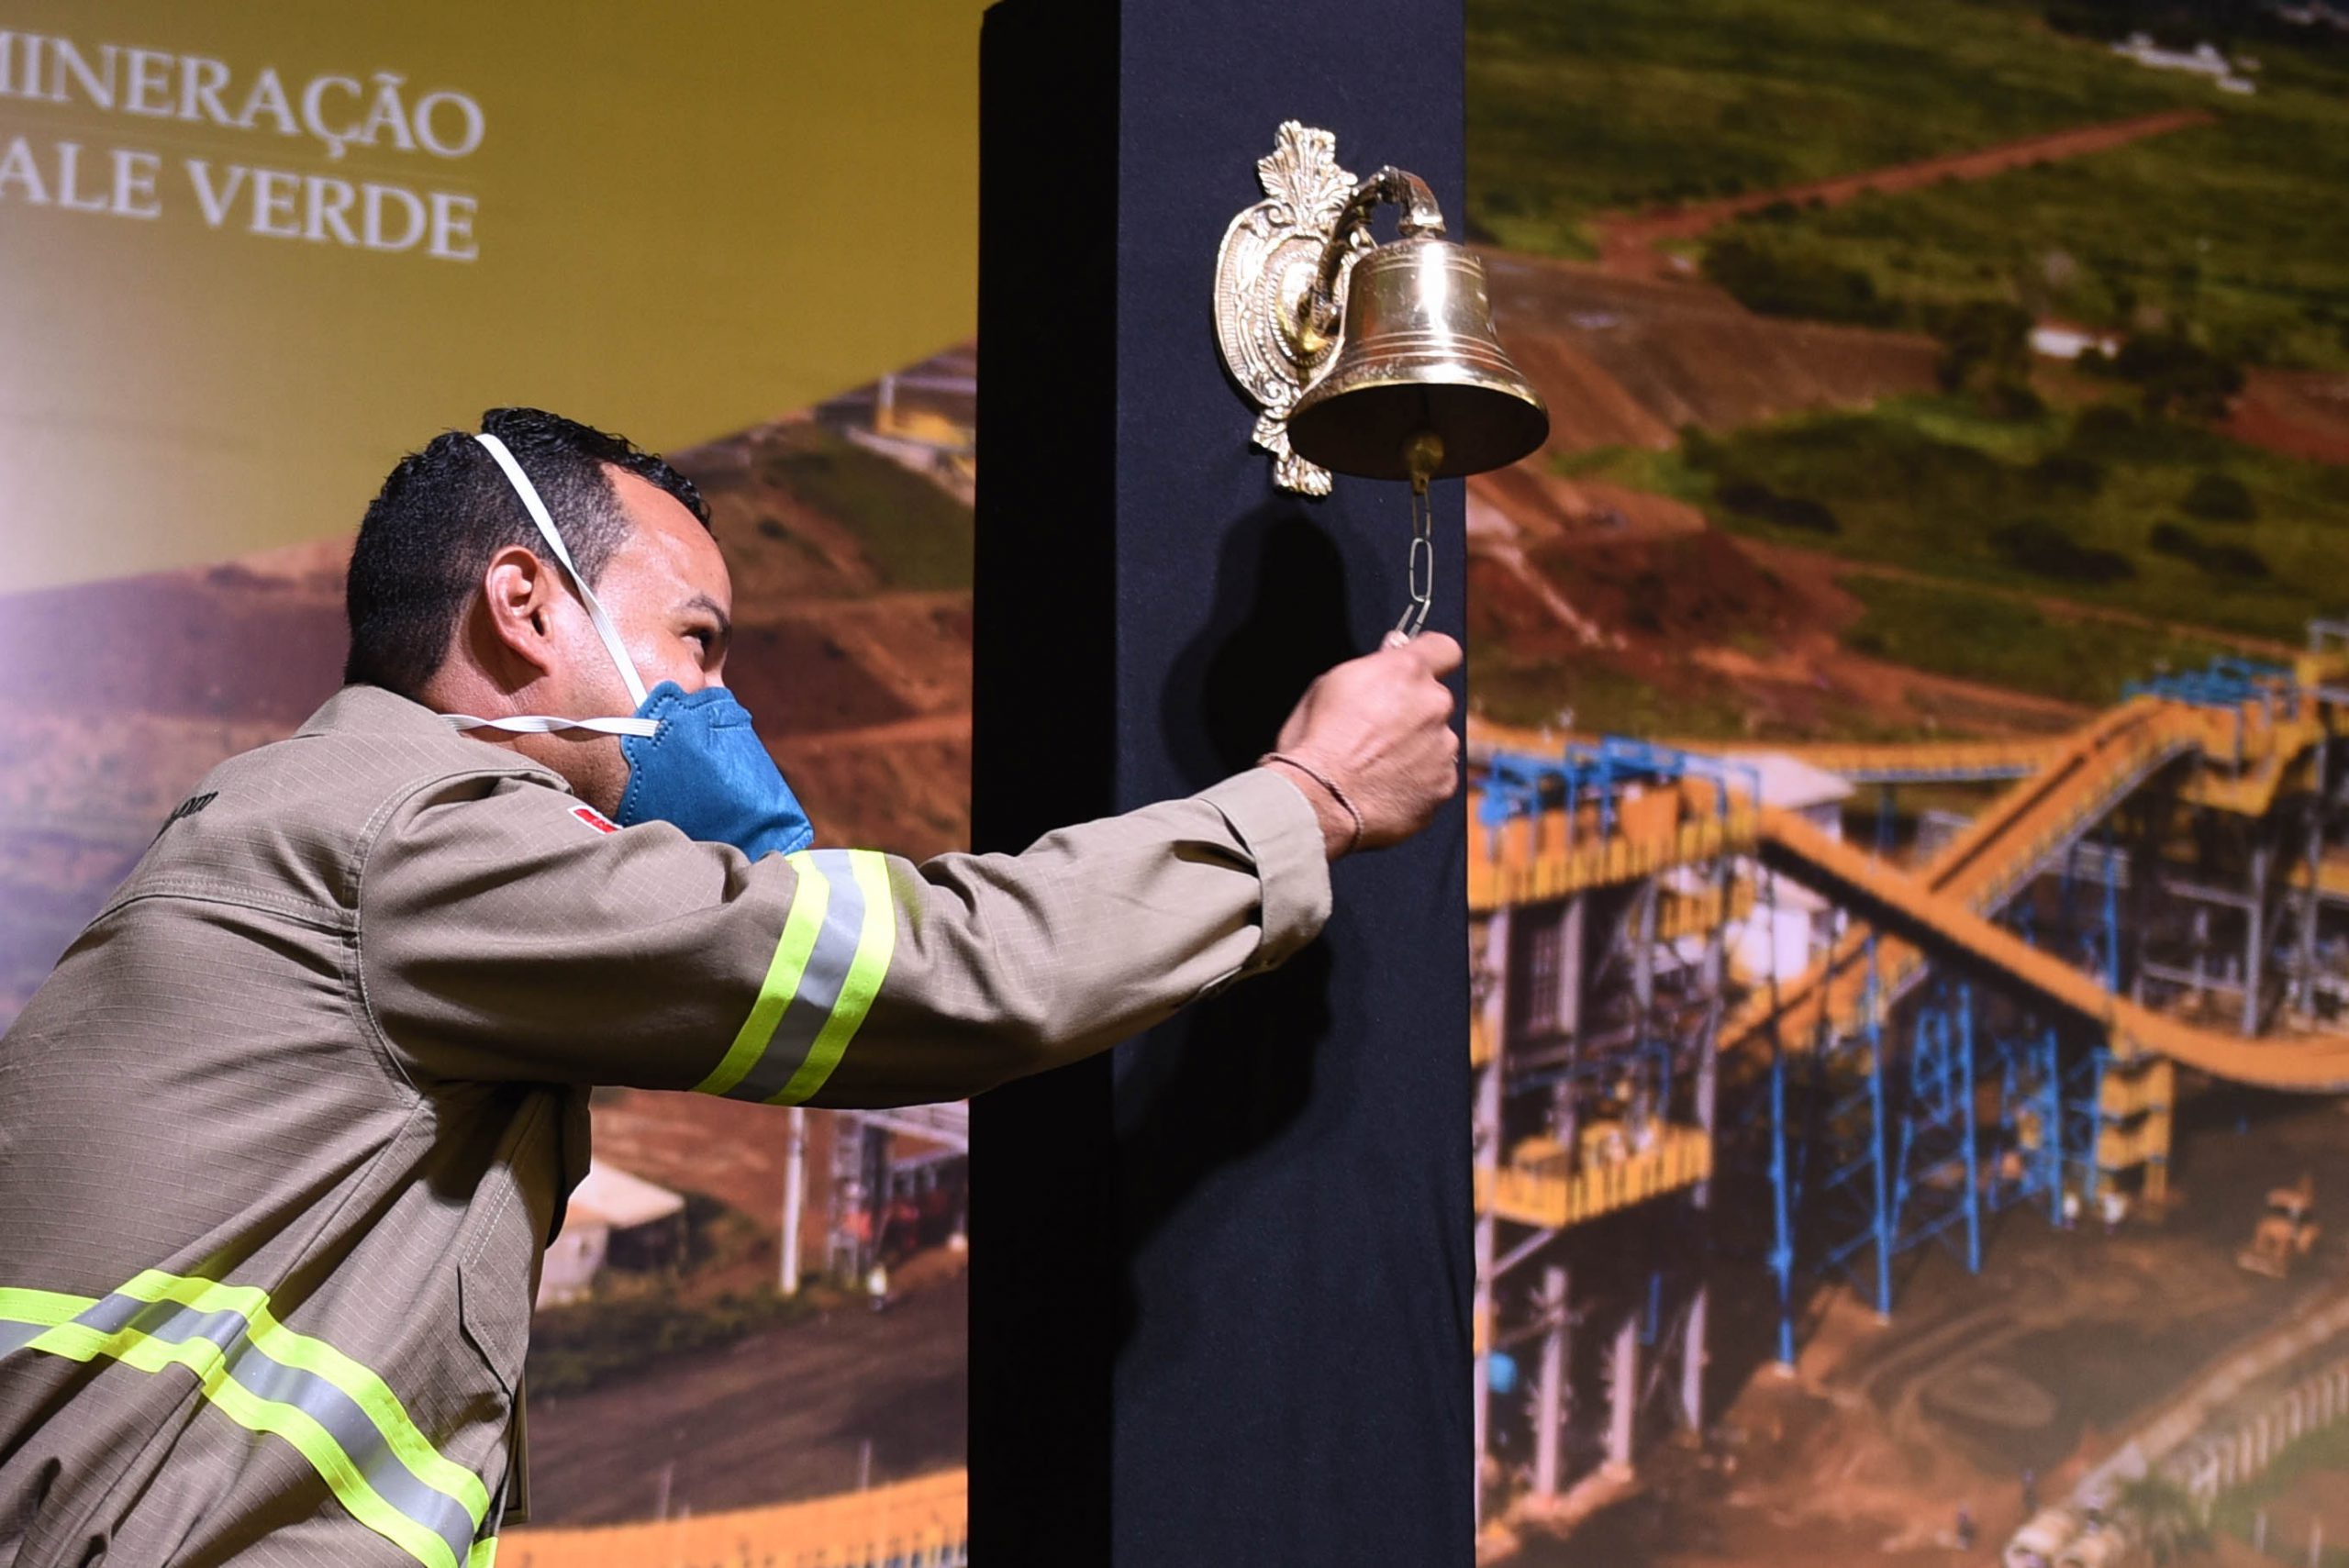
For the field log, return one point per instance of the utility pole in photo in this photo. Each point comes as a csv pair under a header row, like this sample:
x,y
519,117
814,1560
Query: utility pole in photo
x,y
794,1197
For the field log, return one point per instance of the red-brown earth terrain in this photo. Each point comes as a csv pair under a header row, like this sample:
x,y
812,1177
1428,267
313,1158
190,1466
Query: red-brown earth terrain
x,y
1640,588
2302,414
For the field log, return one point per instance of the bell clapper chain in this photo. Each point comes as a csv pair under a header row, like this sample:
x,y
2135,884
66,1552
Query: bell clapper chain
x,y
1424,455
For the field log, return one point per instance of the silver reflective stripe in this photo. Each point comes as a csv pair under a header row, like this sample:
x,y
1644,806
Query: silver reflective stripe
x,y
820,986
268,1378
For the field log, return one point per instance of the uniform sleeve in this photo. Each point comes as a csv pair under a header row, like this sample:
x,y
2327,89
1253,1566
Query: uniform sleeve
x,y
507,933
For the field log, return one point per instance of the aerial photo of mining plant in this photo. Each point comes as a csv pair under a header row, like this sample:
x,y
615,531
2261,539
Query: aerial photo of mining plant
x,y
1907,863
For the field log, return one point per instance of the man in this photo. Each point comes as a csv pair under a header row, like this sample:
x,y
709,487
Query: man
x,y
282,1137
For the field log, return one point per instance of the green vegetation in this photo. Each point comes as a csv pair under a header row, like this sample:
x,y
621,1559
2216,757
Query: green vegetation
x,y
629,1318
2322,1451
1970,634
1688,704
2215,558
917,535
575,1347
1593,699
1749,499
1986,347
2165,1517
2181,24
1605,105
2074,504
2046,549
1775,283
2231,235
2173,372
2219,498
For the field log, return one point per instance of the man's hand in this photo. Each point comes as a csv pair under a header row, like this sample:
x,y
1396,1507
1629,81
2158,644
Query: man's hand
x,y
1379,727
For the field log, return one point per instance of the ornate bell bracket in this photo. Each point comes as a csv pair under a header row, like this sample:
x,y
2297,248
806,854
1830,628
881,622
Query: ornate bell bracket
x,y
1280,276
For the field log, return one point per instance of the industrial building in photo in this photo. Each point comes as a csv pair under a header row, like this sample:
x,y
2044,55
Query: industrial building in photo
x,y
1785,1016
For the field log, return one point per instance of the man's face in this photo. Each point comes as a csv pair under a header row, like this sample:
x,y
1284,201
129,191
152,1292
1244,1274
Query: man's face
x,y
667,590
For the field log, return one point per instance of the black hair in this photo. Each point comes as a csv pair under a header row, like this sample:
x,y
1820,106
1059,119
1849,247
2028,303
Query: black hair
x,y
445,510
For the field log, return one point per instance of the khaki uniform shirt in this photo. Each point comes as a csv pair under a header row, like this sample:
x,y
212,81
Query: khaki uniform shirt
x,y
283,1137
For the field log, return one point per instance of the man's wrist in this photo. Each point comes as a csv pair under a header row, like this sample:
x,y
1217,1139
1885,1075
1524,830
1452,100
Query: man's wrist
x,y
1342,824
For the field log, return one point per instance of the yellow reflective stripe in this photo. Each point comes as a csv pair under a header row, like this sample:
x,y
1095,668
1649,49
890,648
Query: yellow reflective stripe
x,y
800,929
370,1475
241,1405
484,1554
876,943
369,1391
44,1307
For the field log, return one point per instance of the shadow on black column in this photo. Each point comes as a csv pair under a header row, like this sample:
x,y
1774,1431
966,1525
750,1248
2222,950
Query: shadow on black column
x,y
1232,1074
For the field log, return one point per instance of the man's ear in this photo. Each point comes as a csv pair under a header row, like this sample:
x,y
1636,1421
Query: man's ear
x,y
517,594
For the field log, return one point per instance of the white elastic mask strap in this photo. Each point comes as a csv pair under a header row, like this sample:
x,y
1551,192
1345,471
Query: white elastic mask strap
x,y
542,724
539,515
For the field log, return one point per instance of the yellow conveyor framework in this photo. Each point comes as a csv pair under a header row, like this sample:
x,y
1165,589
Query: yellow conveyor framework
x,y
1943,920
2247,756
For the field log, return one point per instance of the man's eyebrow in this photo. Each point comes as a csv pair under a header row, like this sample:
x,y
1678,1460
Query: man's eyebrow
x,y
717,613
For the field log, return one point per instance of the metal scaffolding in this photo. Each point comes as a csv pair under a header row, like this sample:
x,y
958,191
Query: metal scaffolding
x,y
2176,855
1601,998
1923,1116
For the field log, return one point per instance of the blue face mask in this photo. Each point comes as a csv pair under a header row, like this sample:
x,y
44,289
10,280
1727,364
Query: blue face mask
x,y
705,769
694,760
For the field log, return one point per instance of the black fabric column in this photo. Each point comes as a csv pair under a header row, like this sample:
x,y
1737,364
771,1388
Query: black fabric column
x,y
1220,1279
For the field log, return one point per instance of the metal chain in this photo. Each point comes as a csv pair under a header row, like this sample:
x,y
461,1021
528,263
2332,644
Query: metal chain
x,y
1421,569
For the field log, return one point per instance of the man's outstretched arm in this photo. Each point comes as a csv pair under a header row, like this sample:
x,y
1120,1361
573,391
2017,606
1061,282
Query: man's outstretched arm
x,y
503,936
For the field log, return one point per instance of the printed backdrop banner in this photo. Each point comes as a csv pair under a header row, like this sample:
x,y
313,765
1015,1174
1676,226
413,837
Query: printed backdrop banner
x,y
253,254
254,251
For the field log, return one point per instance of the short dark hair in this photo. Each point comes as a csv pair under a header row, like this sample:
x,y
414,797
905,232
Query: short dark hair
x,y
445,510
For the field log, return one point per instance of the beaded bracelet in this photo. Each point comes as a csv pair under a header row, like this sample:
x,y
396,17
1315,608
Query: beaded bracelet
x,y
1324,780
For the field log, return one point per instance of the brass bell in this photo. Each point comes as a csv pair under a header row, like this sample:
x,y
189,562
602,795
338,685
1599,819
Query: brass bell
x,y
1417,358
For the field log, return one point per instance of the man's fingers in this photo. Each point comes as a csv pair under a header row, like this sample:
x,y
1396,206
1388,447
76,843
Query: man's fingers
x,y
1381,725
1439,653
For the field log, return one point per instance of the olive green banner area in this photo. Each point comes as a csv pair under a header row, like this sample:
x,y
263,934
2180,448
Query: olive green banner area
x,y
253,252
